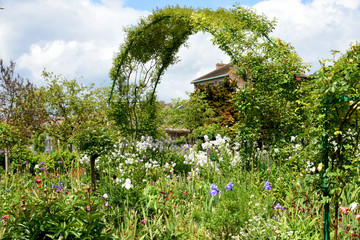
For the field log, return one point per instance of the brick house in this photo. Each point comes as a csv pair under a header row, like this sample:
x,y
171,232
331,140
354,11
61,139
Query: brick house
x,y
217,76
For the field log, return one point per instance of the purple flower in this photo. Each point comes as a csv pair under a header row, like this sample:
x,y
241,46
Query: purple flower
x,y
60,187
47,150
267,186
42,163
278,206
35,152
229,186
214,190
144,157
24,162
1,151
60,162
213,193
42,168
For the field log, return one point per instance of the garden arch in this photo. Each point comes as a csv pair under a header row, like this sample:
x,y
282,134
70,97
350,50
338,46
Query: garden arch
x,y
151,47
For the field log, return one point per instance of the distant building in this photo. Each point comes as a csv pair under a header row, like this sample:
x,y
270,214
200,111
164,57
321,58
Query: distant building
x,y
217,76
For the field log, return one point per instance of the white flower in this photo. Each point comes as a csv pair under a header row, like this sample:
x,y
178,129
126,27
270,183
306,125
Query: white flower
x,y
206,138
353,206
105,196
292,139
127,184
36,166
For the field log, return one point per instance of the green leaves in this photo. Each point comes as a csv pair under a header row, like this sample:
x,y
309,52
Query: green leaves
x,y
152,45
69,104
9,135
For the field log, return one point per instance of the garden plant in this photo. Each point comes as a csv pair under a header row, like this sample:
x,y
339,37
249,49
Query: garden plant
x,y
277,159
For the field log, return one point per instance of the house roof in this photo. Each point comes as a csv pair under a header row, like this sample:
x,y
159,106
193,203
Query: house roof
x,y
222,71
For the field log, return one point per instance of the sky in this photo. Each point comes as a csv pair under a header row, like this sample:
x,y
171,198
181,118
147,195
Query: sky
x,y
79,38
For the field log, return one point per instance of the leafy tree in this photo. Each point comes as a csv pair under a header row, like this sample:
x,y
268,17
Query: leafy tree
x,y
194,114
220,99
21,111
331,103
22,104
172,113
137,118
69,104
268,106
94,140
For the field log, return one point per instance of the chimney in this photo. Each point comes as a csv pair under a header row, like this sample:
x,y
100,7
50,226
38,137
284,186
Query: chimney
x,y
219,65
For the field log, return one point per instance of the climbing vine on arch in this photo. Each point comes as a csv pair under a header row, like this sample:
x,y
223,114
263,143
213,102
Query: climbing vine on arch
x,y
152,45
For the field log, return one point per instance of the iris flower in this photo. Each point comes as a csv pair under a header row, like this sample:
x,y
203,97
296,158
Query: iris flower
x,y
278,206
229,186
214,190
267,186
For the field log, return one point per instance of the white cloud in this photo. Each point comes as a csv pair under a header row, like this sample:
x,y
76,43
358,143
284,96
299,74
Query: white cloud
x,y
314,28
75,58
73,38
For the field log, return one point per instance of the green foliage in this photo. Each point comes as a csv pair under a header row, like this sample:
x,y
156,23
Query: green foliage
x,y
21,102
39,142
268,104
220,99
58,160
197,113
151,47
49,213
94,141
70,104
229,214
9,135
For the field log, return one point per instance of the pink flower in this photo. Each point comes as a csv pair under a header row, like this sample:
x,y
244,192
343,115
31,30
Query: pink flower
x,y
143,221
357,217
38,180
5,217
344,210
